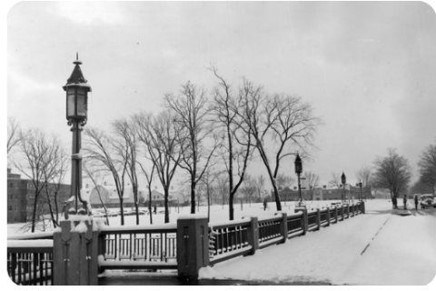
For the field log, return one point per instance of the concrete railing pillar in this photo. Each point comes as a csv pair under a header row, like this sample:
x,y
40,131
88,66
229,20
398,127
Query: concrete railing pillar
x,y
284,227
318,218
75,253
304,219
192,247
253,235
343,212
362,207
328,216
336,214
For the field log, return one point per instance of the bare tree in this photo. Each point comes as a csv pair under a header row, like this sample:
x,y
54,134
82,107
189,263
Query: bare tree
x,y
149,175
127,149
364,175
335,180
236,143
260,184
281,120
42,161
14,135
110,157
53,175
191,113
92,174
392,172
283,181
427,167
312,180
160,135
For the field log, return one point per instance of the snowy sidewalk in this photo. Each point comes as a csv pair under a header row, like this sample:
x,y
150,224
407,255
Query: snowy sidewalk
x,y
378,248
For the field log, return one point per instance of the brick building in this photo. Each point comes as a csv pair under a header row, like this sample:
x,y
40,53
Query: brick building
x,y
287,194
21,195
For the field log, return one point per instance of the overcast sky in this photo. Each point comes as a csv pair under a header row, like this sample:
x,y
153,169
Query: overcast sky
x,y
368,69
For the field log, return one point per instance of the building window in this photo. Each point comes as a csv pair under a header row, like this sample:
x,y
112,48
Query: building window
x,y
10,207
11,184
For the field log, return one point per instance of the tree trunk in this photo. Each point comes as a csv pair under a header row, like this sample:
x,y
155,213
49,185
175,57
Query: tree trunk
x,y
149,204
231,209
34,212
167,216
277,197
192,197
135,195
122,210
50,209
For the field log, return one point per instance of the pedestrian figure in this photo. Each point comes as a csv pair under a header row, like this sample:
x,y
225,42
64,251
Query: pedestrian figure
x,y
394,202
416,201
155,209
405,201
265,204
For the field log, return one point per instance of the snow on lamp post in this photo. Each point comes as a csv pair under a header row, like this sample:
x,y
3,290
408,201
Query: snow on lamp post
x,y
298,170
76,89
344,181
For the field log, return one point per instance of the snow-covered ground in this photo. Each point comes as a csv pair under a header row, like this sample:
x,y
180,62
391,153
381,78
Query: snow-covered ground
x,y
378,248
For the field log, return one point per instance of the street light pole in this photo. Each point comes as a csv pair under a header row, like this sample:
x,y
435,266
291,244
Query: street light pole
x,y
77,109
344,181
298,170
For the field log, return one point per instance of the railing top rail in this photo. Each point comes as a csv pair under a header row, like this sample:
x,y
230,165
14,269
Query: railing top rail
x,y
240,222
32,236
40,245
170,227
295,215
271,219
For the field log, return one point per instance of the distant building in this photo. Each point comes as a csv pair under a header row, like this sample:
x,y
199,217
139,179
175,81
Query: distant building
x,y
109,196
21,196
287,194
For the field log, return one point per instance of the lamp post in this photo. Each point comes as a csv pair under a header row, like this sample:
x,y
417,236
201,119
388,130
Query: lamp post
x,y
76,89
344,181
298,170
360,186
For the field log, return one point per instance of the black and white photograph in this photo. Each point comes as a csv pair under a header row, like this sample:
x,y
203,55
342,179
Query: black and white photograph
x,y
219,143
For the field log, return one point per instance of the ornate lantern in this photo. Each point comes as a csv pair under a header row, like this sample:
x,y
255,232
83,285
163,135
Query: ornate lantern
x,y
77,89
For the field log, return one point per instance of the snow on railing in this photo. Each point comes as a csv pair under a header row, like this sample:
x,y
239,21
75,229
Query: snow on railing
x,y
30,262
138,246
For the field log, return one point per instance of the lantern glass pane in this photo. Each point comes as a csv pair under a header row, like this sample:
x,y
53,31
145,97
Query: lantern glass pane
x,y
70,104
81,103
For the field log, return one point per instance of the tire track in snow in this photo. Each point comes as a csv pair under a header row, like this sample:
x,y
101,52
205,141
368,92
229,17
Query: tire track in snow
x,y
378,231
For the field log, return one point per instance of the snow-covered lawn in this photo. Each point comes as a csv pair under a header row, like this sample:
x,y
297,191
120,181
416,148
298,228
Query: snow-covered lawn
x,y
378,248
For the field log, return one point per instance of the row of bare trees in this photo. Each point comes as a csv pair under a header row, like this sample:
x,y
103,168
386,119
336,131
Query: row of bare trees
x,y
44,163
225,129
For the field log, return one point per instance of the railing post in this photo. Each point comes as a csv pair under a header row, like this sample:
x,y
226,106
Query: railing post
x,y
336,214
284,227
328,216
343,212
75,253
192,247
348,210
362,205
318,218
304,219
253,235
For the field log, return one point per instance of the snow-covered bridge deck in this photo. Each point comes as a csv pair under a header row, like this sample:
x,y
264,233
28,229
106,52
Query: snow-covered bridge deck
x,y
378,248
